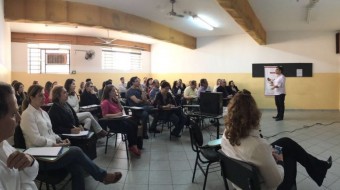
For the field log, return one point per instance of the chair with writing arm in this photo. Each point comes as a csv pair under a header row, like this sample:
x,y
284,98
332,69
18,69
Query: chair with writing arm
x,y
107,123
50,177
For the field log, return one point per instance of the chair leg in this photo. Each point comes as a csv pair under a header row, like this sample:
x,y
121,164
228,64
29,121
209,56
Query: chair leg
x,y
53,187
127,150
206,176
116,140
107,140
225,181
193,175
40,186
47,186
169,127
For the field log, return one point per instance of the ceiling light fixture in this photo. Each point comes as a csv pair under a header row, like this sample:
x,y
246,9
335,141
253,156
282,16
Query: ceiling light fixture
x,y
309,7
199,21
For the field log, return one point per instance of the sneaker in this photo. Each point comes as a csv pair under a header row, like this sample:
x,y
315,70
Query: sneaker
x,y
135,150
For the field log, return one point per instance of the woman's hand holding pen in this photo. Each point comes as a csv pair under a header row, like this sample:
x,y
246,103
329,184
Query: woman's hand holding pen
x,y
75,130
64,142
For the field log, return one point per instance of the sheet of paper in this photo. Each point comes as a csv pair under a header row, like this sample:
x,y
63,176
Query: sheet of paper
x,y
82,133
43,151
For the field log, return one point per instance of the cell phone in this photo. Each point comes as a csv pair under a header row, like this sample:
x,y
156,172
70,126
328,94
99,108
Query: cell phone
x,y
278,149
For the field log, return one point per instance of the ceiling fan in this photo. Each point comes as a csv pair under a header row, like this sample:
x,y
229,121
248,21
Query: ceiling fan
x,y
106,41
172,12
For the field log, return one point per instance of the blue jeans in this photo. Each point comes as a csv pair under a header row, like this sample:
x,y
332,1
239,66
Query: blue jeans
x,y
75,161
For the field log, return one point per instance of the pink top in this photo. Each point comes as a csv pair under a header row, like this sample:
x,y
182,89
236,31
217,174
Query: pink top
x,y
47,97
109,107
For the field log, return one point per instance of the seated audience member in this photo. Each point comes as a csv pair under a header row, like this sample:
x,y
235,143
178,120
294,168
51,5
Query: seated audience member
x,y
35,82
148,86
122,85
17,169
164,101
181,84
190,93
88,97
155,90
13,82
94,87
232,88
47,91
84,117
100,92
177,92
112,108
218,83
64,119
242,141
223,88
143,85
37,129
203,87
55,83
136,97
19,93
81,87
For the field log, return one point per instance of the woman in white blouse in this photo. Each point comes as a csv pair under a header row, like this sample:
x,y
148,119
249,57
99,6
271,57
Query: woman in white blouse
x,y
17,169
37,130
241,140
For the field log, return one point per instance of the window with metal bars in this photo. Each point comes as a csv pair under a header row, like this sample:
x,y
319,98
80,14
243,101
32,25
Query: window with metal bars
x,y
121,59
48,58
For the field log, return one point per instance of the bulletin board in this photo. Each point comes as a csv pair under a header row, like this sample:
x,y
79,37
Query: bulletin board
x,y
289,69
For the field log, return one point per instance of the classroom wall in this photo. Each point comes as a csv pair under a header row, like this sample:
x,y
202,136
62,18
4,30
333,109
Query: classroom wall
x,y
5,52
84,68
231,57
228,57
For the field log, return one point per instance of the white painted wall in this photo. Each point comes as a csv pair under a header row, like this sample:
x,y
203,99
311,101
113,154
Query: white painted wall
x,y
235,54
77,58
5,50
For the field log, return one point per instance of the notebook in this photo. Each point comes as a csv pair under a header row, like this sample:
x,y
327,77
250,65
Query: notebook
x,y
44,151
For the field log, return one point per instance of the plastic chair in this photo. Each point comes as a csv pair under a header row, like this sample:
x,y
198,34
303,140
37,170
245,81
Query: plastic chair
x,y
104,123
209,154
242,174
50,177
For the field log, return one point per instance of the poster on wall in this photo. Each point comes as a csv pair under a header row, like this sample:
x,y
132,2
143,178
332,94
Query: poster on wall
x,y
269,76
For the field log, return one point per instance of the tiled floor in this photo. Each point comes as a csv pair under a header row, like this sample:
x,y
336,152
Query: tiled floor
x,y
168,165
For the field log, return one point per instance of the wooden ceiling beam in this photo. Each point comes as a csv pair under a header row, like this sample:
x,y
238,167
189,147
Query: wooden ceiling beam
x,y
74,40
72,13
244,15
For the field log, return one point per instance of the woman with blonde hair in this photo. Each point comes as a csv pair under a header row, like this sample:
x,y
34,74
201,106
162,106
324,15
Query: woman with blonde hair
x,y
242,141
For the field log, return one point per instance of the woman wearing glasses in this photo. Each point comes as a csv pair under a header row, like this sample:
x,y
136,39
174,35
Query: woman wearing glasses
x,y
89,97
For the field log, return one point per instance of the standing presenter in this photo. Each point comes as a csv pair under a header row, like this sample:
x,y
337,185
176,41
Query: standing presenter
x,y
279,86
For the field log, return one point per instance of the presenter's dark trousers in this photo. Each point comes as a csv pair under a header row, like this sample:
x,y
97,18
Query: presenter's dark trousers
x,y
280,105
293,153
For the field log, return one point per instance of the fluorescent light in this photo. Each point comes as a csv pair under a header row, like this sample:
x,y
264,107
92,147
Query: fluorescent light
x,y
202,23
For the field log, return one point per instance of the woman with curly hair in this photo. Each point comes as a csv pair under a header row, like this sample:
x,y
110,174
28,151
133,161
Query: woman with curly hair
x,y
242,141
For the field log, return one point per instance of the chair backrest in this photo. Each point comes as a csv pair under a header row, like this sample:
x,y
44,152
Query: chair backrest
x,y
19,140
196,135
242,174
